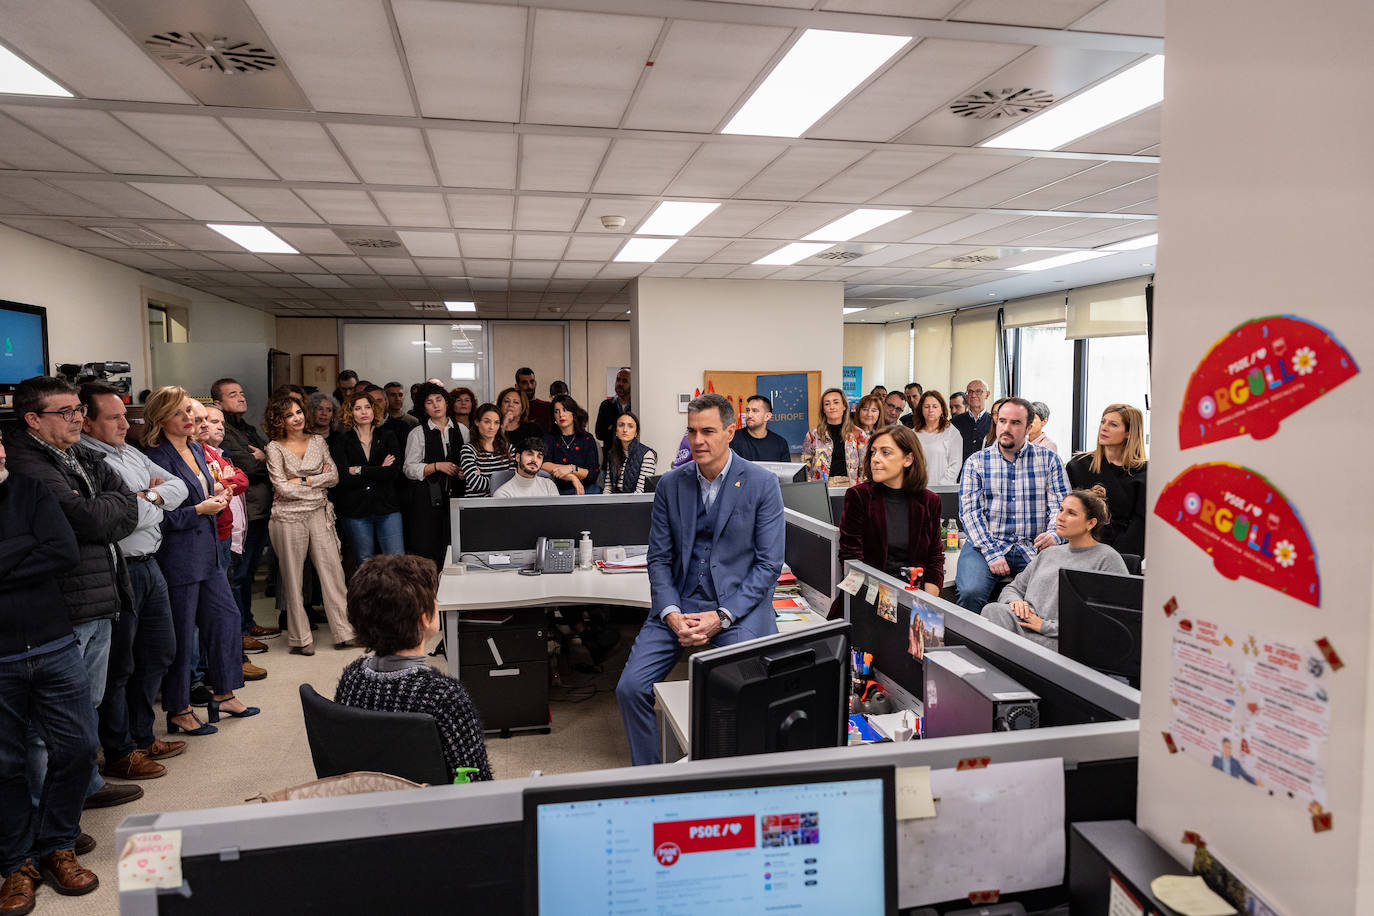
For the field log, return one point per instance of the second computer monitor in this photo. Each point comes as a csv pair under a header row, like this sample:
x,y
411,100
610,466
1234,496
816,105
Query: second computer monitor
x,y
1099,621
811,499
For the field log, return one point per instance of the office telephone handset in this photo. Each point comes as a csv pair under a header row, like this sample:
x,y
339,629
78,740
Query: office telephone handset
x,y
555,555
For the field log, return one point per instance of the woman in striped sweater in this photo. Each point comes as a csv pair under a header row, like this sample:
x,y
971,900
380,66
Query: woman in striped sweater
x,y
486,452
628,463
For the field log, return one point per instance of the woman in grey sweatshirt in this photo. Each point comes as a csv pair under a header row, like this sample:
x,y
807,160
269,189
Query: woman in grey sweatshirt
x,y
1029,605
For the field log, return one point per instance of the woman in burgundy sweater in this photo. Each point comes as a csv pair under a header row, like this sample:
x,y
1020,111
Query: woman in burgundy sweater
x,y
892,521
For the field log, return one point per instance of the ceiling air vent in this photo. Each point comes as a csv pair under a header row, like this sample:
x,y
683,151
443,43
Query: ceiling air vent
x,y
1002,103
369,241
974,258
376,244
133,236
210,52
838,255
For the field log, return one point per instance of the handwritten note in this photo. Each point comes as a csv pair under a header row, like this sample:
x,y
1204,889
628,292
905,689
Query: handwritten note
x,y
151,860
871,596
913,793
1189,896
851,583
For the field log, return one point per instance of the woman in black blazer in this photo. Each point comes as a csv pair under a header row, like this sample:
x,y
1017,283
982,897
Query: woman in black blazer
x,y
369,462
891,520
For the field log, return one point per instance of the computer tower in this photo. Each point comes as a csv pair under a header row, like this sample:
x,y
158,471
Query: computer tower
x,y
967,696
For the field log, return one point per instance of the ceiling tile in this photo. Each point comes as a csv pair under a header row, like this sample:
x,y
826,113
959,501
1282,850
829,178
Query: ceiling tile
x,y
140,260
734,218
443,272
803,219
430,244
1121,197
915,223
26,149
197,201
368,78
720,169
634,212
190,260
386,155
1020,178
1021,232
480,245
87,52
925,79
296,150
553,214
700,72
271,205
202,144
642,166
743,252
353,208
1049,14
584,66
312,241
586,248
552,163
421,208
1132,135
799,171
921,9
962,228
98,137
693,251
944,177
60,231
474,159
242,262
48,200
480,267
323,281
480,211
1084,184
1125,17
467,59
538,270
296,263
341,264
540,247
393,267
875,173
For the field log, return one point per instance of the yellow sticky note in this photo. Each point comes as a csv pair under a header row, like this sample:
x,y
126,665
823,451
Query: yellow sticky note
x,y
1189,896
913,793
151,860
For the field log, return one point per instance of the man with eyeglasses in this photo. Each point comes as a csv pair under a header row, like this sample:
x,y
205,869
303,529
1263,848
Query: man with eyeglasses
x,y
101,511
975,423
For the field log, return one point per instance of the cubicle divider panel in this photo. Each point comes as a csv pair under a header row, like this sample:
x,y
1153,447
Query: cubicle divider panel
x,y
811,553
485,525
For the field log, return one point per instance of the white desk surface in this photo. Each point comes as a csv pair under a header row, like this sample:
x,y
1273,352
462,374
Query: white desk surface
x,y
484,589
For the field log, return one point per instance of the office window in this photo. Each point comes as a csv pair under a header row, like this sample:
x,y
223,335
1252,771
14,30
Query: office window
x,y
1044,372
1118,372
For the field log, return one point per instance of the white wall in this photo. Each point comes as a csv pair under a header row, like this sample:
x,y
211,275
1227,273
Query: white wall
x,y
1248,205
863,346
592,347
96,312
681,328
298,336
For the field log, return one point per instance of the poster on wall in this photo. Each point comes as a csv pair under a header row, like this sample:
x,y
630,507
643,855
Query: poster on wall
x,y
1246,525
1258,374
790,394
853,383
1256,710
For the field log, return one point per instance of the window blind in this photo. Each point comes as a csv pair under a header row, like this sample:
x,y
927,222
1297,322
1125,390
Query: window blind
x,y
932,353
1037,310
896,356
1109,310
974,346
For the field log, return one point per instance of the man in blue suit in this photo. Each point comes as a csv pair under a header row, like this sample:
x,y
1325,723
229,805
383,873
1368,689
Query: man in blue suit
x,y
715,551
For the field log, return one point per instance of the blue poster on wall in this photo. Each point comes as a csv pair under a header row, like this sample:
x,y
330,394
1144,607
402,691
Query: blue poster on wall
x,y
791,406
853,383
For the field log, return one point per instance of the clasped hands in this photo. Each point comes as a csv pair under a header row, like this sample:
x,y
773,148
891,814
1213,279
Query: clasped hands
x,y
693,629
1025,615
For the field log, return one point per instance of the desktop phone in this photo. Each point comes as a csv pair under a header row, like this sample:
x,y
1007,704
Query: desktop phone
x,y
555,555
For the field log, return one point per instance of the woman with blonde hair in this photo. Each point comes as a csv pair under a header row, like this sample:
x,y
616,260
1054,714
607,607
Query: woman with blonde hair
x,y
1118,466
834,424
197,582
941,442
301,471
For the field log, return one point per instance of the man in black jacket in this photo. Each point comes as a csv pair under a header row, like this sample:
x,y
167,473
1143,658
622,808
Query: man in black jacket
x,y
611,409
43,685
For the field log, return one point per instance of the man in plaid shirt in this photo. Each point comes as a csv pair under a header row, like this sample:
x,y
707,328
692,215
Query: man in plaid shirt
x,y
1008,498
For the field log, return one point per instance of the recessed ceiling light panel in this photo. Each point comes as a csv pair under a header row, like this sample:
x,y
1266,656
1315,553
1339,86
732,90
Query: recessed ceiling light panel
x,y
791,254
19,77
1061,260
257,239
856,223
1145,241
676,217
644,251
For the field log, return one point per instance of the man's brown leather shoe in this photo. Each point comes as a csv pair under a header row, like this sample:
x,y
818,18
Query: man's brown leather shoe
x,y
135,765
161,750
16,894
252,672
252,645
263,632
66,875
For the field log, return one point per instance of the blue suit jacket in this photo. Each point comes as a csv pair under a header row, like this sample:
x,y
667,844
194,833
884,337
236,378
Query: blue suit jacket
x,y
746,548
190,543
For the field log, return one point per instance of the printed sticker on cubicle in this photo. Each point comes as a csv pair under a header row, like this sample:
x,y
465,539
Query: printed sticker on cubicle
x,y
1258,374
151,860
1246,525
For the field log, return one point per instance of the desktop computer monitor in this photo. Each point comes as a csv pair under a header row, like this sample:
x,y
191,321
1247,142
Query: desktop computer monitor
x,y
810,499
787,692
1099,621
808,843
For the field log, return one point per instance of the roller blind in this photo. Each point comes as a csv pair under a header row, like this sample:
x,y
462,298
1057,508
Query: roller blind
x,y
896,356
1022,313
1109,310
932,353
974,347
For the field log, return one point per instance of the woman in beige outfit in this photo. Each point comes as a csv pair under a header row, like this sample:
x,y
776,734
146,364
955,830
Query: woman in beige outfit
x,y
300,469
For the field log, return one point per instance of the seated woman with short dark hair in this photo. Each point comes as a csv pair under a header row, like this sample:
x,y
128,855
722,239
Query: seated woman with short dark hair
x,y
393,607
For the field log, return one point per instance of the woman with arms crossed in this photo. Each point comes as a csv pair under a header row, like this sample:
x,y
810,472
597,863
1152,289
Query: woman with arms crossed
x,y
432,462
1118,466
369,463
570,451
488,452
628,463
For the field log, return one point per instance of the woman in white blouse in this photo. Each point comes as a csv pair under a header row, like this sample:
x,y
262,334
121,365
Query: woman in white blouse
x,y
941,442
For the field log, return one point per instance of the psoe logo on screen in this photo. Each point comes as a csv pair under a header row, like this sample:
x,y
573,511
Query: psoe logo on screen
x,y
1246,525
673,839
667,853
1260,373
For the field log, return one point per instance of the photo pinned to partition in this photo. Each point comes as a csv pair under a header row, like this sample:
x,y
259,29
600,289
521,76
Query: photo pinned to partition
x,y
1257,375
925,630
887,604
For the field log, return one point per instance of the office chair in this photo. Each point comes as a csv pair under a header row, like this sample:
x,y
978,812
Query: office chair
x,y
1132,562
652,483
500,478
346,740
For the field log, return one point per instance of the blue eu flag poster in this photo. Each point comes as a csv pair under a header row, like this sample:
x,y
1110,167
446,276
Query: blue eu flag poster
x,y
853,383
791,406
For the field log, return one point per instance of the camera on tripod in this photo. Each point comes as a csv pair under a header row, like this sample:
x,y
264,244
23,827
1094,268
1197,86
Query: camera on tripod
x,y
80,374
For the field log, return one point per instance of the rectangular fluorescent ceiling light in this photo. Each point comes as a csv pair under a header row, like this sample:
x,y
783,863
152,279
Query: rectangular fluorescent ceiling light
x,y
856,223
17,76
848,310
1123,95
1145,241
820,70
791,254
644,250
257,239
460,306
1061,260
676,217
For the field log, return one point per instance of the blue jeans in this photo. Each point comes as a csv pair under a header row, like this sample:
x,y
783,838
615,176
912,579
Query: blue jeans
x,y
49,694
93,645
975,581
255,541
373,534
142,648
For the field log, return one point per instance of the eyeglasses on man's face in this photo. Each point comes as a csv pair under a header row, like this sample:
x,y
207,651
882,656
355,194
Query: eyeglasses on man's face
x,y
66,413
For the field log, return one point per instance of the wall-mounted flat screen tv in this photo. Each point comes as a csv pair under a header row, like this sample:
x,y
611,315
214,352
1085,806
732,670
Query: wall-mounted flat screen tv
x,y
23,343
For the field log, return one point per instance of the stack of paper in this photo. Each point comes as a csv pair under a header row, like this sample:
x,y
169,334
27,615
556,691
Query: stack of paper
x,y
627,565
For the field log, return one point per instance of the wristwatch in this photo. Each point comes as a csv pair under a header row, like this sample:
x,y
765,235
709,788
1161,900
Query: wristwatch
x,y
724,619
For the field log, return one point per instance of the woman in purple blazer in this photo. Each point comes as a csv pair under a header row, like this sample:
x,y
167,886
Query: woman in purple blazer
x,y
190,559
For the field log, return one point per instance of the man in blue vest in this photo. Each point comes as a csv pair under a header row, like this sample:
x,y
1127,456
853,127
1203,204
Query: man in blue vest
x,y
715,551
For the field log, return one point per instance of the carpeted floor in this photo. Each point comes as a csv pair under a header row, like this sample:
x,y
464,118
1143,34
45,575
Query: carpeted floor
x,y
269,751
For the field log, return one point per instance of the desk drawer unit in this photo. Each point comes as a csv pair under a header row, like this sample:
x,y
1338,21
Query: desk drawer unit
x,y
506,672
501,645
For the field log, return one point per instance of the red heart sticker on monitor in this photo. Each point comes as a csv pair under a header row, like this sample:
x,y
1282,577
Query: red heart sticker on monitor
x,y
1258,374
1247,526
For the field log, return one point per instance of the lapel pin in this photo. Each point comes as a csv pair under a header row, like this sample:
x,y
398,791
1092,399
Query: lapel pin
x,y
736,483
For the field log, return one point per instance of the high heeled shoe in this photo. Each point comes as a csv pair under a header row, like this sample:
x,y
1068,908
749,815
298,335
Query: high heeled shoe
x,y
173,728
242,714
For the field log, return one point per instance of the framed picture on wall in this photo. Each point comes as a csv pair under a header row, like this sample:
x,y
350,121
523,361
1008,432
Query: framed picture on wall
x,y
320,370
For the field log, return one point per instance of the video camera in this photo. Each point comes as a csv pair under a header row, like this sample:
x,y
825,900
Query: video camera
x,y
98,372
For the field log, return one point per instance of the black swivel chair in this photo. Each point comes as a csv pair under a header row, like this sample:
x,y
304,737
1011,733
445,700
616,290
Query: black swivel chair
x,y
1132,562
346,740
